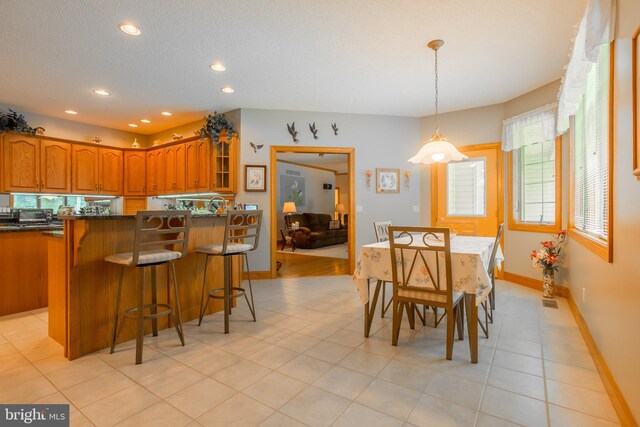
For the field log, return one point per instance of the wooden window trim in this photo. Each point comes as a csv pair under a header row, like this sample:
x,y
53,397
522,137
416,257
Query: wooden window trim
x,y
512,222
602,248
636,103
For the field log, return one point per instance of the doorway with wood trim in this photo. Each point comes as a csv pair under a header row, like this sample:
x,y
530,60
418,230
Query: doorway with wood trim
x,y
286,161
467,196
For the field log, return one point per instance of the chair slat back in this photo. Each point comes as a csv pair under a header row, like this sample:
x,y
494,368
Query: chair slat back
x,y
160,229
382,230
242,227
492,261
422,254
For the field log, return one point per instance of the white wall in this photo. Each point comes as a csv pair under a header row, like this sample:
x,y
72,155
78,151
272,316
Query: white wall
x,y
379,141
613,289
317,200
76,131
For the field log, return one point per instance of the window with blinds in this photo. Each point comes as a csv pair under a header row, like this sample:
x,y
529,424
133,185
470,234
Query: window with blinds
x,y
534,183
466,195
591,153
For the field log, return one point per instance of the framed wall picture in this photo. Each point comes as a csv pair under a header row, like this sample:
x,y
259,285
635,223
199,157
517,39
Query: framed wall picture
x,y
255,178
635,75
387,180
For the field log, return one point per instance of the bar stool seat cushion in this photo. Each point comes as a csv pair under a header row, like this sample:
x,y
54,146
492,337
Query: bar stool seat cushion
x,y
145,257
232,248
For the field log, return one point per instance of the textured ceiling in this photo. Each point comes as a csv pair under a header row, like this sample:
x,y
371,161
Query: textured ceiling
x,y
355,56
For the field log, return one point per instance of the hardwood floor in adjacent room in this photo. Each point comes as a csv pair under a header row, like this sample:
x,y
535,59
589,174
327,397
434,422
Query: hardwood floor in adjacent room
x,y
295,265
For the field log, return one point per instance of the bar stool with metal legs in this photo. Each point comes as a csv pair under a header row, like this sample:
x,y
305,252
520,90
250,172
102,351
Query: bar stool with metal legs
x,y
241,235
160,238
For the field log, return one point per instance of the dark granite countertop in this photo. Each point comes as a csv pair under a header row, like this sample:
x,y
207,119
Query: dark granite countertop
x,y
85,217
54,233
17,228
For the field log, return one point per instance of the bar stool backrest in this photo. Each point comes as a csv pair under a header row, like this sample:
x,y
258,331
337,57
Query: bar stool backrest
x,y
382,230
243,226
422,254
159,229
496,244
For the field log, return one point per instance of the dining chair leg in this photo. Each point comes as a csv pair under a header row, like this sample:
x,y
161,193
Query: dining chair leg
x,y
176,307
154,301
140,318
382,308
117,313
459,320
397,320
435,317
203,304
411,315
451,323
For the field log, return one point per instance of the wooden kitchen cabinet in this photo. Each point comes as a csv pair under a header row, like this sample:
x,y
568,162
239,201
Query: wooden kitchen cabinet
x,y
134,173
198,165
174,170
55,167
21,163
155,172
32,165
96,170
225,164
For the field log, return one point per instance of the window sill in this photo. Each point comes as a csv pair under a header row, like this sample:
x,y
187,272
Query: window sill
x,y
599,247
536,228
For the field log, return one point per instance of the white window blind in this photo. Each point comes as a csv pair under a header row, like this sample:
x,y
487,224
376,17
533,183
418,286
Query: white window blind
x,y
591,152
466,195
534,183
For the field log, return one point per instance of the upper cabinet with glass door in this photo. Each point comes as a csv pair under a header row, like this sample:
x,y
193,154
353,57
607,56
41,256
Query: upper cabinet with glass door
x,y
225,164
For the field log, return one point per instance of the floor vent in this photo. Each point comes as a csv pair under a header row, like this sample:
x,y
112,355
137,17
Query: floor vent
x,y
549,303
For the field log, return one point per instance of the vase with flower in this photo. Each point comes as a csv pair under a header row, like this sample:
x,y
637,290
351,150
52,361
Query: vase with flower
x,y
547,259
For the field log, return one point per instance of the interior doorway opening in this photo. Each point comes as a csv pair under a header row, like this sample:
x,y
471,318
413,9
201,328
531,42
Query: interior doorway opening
x,y
312,228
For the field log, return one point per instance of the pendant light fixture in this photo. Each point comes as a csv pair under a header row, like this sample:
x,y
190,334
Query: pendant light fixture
x,y
438,149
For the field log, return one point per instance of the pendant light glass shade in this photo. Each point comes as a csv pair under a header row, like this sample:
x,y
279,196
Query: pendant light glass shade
x,y
438,149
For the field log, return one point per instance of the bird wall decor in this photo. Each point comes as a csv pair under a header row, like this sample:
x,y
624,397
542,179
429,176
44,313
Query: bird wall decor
x,y
334,126
314,131
255,147
293,132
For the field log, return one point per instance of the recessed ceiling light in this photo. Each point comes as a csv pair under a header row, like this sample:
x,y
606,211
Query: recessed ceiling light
x,y
227,89
73,113
166,113
145,121
133,125
101,92
217,66
130,29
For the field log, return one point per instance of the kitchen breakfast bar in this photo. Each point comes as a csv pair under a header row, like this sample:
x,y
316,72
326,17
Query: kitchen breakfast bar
x,y
81,318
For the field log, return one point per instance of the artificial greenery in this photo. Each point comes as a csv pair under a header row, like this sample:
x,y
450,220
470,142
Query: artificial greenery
x,y
214,125
12,121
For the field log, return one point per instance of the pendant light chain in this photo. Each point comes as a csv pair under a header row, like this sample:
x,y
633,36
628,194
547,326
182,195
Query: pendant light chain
x,y
437,118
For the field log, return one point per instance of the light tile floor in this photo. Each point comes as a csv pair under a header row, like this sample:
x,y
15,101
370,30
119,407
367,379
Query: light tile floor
x,y
306,362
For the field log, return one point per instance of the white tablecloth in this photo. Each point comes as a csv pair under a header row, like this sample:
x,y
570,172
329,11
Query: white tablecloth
x,y
469,264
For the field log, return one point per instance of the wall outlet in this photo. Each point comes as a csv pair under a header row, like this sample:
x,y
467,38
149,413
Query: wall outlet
x,y
416,208
358,208
584,295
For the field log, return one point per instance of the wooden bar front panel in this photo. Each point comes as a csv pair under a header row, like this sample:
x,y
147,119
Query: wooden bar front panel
x,y
92,282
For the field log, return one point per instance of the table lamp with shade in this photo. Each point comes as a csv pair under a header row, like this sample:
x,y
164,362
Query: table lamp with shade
x,y
340,209
288,209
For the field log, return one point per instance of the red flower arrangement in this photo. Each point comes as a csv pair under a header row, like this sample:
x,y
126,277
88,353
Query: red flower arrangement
x,y
548,256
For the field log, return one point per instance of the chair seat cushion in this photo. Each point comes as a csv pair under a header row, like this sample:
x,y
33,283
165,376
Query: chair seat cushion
x,y
232,248
145,257
437,298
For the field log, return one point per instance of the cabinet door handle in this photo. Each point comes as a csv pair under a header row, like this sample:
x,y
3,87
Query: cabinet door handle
x,y
96,187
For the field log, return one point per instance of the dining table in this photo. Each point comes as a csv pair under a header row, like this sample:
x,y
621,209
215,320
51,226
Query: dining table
x,y
470,259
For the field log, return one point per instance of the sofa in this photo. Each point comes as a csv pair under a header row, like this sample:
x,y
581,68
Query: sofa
x,y
314,231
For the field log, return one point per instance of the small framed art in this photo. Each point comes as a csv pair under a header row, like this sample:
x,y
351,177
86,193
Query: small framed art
x,y
387,180
255,178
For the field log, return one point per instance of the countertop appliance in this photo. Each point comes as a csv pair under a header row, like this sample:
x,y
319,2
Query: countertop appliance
x,y
34,216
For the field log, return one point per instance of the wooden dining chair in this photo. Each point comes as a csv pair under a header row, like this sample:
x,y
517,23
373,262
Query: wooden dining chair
x,y
421,272
492,270
381,229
